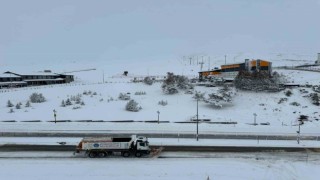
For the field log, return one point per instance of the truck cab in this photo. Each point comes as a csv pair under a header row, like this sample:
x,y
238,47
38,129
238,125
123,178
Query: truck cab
x,y
142,144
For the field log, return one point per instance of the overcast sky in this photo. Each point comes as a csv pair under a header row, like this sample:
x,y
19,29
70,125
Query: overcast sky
x,y
95,30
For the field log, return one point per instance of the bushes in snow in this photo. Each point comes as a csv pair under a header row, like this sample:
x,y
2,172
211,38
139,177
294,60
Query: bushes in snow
x,y
288,93
295,104
37,98
163,103
257,81
316,88
199,95
132,105
77,99
148,80
9,104
11,110
315,98
223,95
282,100
173,83
140,93
28,104
89,93
68,102
18,106
124,96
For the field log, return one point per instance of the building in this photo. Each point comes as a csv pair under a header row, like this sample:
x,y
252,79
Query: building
x,y
230,71
318,60
12,79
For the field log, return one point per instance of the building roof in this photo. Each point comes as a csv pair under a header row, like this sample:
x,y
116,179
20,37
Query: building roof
x,y
35,80
32,73
8,75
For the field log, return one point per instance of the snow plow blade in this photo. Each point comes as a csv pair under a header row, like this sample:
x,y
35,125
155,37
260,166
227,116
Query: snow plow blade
x,y
155,152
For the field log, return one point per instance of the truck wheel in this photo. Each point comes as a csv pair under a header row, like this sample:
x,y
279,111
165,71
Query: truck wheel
x,y
92,154
126,154
102,154
138,154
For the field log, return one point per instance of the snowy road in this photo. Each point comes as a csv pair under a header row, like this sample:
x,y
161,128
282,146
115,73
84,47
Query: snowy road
x,y
171,166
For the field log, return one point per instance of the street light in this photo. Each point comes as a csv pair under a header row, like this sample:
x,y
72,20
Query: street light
x,y
298,133
197,120
158,116
255,117
55,116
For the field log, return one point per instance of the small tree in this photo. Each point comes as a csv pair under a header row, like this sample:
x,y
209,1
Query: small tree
x,y
18,106
63,104
28,104
132,105
82,103
199,96
68,102
78,100
288,93
9,104
315,99
11,110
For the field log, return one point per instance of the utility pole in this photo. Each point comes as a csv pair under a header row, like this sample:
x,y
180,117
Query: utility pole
x,y
102,76
201,63
209,63
197,121
225,59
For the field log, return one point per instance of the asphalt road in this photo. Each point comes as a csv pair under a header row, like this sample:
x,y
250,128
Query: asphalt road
x,y
15,148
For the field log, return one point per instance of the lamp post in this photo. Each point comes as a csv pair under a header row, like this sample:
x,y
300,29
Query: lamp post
x,y
55,116
298,133
158,116
255,117
197,120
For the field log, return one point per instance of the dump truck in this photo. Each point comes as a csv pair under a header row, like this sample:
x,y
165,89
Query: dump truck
x,y
100,147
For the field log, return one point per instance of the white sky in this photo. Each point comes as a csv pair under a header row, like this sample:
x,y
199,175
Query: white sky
x,y
36,31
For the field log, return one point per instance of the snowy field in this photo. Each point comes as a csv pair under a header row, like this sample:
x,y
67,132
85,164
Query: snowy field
x,y
164,169
181,107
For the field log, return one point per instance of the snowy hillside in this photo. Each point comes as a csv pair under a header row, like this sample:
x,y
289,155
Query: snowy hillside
x,y
103,103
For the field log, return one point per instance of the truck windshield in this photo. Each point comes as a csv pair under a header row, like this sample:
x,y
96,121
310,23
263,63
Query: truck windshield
x,y
142,144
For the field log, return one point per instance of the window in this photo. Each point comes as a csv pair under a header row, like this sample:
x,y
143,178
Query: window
x,y
142,144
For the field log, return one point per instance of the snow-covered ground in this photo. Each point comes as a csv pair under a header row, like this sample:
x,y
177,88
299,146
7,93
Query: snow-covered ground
x,y
181,107
164,169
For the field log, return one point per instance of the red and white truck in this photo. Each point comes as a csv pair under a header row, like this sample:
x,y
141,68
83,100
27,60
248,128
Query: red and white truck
x,y
105,146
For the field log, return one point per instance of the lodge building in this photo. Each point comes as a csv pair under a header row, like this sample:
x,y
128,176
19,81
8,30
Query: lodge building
x,y
11,79
230,71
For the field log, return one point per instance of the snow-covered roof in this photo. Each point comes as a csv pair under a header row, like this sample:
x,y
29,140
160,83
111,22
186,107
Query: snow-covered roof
x,y
5,75
35,80
32,73
38,74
